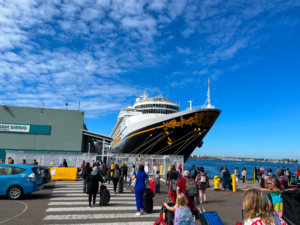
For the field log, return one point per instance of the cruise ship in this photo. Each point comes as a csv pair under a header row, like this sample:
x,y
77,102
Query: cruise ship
x,y
156,126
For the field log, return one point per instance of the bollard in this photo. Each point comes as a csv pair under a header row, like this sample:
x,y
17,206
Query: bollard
x,y
233,183
111,173
245,177
169,168
161,169
217,181
254,178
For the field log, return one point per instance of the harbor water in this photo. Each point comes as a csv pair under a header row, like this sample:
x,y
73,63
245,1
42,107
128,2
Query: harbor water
x,y
212,167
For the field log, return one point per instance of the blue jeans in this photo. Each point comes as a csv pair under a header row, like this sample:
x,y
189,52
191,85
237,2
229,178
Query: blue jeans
x,y
84,185
129,181
104,179
158,188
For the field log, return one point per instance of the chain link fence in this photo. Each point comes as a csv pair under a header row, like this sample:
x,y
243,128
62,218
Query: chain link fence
x,y
50,158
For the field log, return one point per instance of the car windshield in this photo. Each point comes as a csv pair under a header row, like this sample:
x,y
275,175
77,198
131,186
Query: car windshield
x,y
36,170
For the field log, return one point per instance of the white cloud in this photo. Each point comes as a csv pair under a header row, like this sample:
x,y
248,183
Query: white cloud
x,y
183,50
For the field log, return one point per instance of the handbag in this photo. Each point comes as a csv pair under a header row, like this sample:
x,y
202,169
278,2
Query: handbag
x,y
134,182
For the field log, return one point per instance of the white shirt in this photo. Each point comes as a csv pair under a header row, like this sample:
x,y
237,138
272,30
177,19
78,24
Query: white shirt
x,y
257,221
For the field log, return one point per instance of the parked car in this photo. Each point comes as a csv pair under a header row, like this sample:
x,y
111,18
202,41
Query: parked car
x,y
17,180
46,174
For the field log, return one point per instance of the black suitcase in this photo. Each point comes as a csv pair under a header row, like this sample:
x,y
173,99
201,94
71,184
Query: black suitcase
x,y
148,204
262,183
104,196
121,184
169,215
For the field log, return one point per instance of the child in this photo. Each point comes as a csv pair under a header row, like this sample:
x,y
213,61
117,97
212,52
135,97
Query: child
x,y
183,213
157,182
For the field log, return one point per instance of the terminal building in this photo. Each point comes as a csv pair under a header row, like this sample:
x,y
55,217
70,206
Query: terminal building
x,y
47,130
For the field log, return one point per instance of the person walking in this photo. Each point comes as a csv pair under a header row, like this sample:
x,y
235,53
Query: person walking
x,y
171,193
282,173
92,181
82,164
24,161
201,180
140,188
105,169
116,176
180,169
109,172
85,173
275,197
226,178
131,174
255,171
124,171
298,177
173,170
193,172
257,210
157,182
35,162
288,174
278,171
244,174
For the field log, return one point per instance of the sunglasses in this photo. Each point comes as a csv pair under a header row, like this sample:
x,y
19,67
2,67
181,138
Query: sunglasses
x,y
269,183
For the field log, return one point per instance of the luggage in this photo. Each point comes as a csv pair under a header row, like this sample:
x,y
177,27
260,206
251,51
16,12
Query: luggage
x,y
195,212
284,183
121,185
169,215
148,204
208,218
293,181
262,183
149,192
291,206
104,196
161,220
152,185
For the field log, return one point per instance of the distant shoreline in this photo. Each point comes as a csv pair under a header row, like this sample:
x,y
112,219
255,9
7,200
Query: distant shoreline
x,y
249,160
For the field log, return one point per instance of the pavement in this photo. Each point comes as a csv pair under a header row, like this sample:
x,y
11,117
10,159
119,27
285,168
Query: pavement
x,y
63,202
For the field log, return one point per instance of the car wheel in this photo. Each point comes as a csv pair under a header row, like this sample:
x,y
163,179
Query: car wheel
x,y
14,192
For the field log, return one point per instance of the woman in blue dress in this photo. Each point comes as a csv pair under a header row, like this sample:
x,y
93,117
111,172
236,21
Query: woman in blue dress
x,y
140,188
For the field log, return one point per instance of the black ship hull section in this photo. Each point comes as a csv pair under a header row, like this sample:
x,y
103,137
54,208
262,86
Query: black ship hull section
x,y
177,136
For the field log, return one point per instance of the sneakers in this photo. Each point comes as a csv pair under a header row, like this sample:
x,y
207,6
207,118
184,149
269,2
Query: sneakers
x,y
90,206
138,214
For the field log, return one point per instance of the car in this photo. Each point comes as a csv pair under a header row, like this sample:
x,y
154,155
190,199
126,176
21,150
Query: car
x,y
20,179
46,174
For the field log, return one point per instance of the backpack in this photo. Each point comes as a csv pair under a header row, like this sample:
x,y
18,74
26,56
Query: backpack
x,y
191,187
84,173
183,216
288,173
174,185
203,179
193,172
117,174
291,206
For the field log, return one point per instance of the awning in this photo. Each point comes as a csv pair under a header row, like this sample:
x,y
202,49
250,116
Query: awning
x,y
97,137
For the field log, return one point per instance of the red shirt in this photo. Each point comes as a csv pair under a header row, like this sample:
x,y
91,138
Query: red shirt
x,y
181,184
298,172
180,169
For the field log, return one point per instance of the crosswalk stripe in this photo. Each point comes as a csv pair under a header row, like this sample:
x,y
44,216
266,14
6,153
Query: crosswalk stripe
x,y
81,194
96,216
85,198
105,208
78,189
118,223
85,203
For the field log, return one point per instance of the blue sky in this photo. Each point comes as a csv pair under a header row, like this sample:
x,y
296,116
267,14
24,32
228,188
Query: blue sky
x,y
106,53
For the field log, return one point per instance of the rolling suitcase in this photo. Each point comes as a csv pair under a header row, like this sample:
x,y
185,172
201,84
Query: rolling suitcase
x,y
262,183
104,196
208,218
121,184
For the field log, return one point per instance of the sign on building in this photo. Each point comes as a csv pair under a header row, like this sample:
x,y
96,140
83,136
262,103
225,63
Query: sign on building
x,y
14,128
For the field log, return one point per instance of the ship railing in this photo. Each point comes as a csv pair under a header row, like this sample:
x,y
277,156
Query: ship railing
x,y
198,107
159,100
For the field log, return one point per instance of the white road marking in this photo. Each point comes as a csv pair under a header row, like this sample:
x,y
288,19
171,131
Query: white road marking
x,y
97,216
104,208
85,198
81,194
118,223
77,189
86,203
26,207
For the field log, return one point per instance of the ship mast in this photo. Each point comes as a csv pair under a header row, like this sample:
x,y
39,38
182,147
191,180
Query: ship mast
x,y
208,106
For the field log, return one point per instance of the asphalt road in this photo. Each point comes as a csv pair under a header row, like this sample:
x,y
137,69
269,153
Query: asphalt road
x,y
63,202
